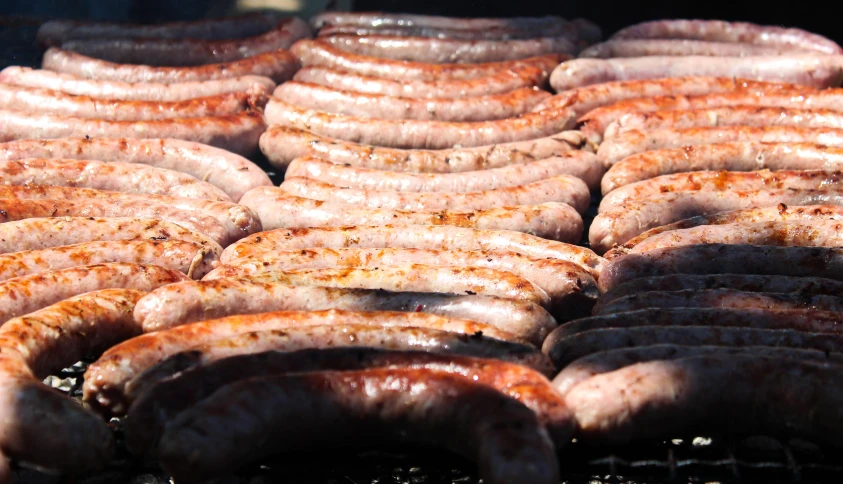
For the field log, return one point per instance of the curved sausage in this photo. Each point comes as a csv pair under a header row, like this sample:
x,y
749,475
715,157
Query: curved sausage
x,y
320,53
560,188
181,304
190,52
283,144
25,294
181,381
114,175
454,51
42,426
193,259
413,237
277,66
811,71
633,142
238,133
233,174
377,19
480,108
731,259
581,164
134,91
722,31
277,209
499,83
502,435
619,225
740,156
679,47
419,134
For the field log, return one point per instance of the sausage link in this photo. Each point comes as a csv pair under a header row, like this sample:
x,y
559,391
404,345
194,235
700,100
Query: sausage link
x,y
679,47
377,19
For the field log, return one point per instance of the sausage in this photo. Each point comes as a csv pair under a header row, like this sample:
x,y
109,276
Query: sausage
x,y
56,32
233,221
633,142
481,108
320,53
38,100
233,174
727,298
106,379
764,395
276,209
454,51
560,188
679,47
740,282
378,19
722,31
25,294
498,83
283,144
181,381
619,225
413,237
612,360
741,156
577,30
193,259
133,91
811,71
45,233
276,66
502,435
731,259
181,304
419,134
238,133
114,175
42,426
571,289
190,52
414,278
721,181
581,164
566,350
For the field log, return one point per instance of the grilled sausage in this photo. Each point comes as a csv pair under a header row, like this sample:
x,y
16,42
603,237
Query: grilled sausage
x,y
276,66
741,156
233,174
413,237
811,71
193,259
190,52
731,259
633,142
187,303
283,144
577,30
721,31
38,100
372,19
181,381
26,294
481,108
498,83
560,188
455,51
502,435
619,225
580,164
107,379
276,209
40,425
419,134
321,53
134,91
115,175
679,47
571,289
